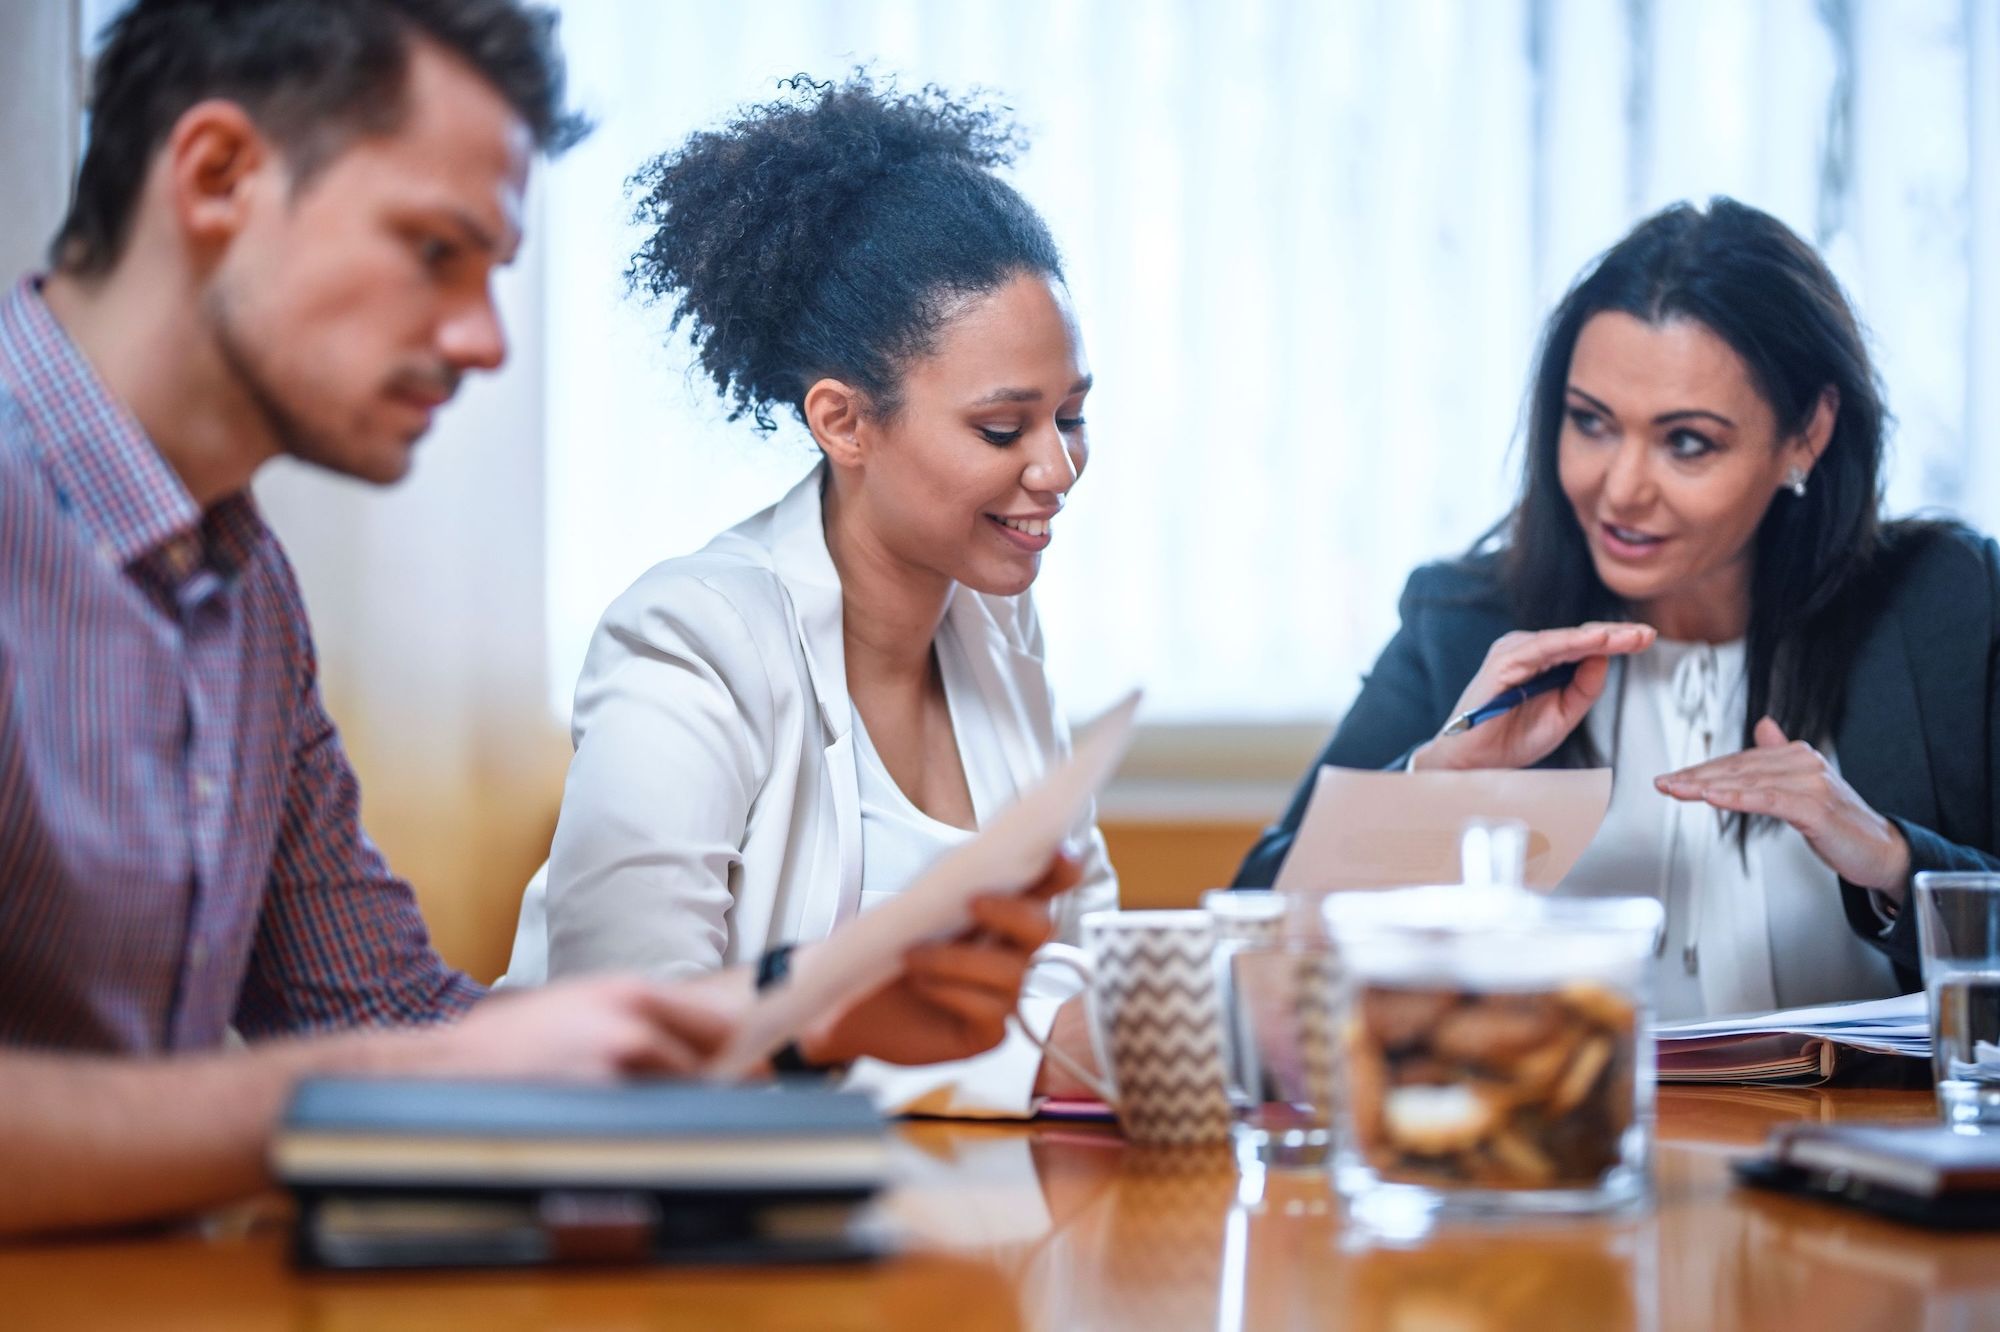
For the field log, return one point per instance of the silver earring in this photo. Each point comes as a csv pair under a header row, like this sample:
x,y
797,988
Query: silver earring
x,y
1795,481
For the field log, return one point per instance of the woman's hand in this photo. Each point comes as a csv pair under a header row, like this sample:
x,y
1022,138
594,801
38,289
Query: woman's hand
x,y
1531,732
1791,781
952,999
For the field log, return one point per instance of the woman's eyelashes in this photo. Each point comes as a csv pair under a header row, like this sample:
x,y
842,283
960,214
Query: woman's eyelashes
x,y
1586,422
1001,439
1682,444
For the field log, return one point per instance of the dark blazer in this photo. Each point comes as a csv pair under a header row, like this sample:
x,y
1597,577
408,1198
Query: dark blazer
x,y
1918,736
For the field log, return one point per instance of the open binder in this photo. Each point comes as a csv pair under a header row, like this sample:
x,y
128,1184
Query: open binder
x,y
1876,1039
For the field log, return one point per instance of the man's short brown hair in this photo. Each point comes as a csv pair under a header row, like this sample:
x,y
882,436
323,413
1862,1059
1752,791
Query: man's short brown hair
x,y
313,74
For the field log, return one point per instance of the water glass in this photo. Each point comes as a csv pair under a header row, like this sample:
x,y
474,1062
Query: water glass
x,y
1958,932
1276,973
1282,1053
1245,917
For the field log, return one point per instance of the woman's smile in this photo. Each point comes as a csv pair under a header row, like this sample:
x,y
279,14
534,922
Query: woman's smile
x,y
1029,532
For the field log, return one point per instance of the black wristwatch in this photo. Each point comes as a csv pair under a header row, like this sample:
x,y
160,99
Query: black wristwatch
x,y
774,966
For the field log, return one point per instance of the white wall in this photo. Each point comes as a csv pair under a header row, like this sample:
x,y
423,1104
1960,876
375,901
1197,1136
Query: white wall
x,y
39,101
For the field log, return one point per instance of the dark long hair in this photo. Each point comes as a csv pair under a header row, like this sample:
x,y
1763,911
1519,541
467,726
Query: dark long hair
x,y
1748,279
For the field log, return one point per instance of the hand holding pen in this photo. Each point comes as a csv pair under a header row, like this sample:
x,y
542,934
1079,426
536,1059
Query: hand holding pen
x,y
1532,691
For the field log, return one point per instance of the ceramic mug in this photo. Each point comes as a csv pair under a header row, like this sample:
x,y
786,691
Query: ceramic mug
x,y
1154,1023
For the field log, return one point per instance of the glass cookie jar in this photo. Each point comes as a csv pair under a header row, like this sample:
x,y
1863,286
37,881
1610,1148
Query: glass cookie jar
x,y
1498,1054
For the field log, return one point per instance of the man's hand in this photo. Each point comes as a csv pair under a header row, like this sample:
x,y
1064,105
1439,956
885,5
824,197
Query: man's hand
x,y
953,999
592,1030
95,1140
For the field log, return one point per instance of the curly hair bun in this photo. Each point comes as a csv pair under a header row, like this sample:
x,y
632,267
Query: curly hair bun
x,y
829,232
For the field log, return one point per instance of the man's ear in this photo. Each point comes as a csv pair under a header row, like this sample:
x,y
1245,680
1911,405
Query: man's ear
x,y
214,160
834,413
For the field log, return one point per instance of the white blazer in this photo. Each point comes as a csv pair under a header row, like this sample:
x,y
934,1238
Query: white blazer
x,y
712,807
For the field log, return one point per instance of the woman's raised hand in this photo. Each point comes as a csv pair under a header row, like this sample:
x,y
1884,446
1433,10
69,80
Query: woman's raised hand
x,y
1793,782
1532,731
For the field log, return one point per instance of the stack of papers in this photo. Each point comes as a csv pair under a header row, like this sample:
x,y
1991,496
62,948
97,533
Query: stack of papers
x,y
1795,1046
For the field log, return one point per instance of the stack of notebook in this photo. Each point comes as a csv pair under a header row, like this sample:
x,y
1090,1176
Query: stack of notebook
x,y
392,1173
1799,1046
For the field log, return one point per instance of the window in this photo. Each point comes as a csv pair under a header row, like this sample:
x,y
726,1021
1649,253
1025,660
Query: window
x,y
1311,245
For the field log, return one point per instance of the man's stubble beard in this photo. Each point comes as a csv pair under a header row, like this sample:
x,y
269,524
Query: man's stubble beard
x,y
287,431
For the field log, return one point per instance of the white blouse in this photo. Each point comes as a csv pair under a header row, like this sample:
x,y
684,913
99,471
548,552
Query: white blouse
x,y
1747,929
900,841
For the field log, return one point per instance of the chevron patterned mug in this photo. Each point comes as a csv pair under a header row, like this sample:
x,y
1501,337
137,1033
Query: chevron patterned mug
x,y
1154,1023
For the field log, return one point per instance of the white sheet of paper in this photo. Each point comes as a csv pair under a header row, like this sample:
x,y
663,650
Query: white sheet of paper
x,y
1371,829
1900,1026
1009,853
1905,1017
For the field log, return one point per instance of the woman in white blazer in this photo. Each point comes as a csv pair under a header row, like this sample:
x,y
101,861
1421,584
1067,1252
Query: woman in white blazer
x,y
783,729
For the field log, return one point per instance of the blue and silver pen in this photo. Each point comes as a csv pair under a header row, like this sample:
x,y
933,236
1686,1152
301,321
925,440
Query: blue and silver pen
x,y
1510,699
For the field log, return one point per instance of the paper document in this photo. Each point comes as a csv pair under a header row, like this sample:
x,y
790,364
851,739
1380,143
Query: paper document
x,y
1371,829
1792,1046
1899,1021
1009,853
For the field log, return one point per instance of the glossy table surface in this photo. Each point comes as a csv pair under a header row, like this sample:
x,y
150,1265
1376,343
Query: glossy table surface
x,y
1047,1226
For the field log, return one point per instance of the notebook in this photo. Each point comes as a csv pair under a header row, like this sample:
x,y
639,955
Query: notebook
x,y
1929,1174
419,1173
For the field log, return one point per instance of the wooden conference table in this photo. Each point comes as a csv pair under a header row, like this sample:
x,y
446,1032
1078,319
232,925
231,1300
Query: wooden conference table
x,y
1065,1227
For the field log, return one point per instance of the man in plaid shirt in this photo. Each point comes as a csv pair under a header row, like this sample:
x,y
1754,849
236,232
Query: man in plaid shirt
x,y
281,243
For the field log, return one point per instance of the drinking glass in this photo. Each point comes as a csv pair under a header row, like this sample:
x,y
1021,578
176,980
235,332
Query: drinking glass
x,y
1282,1054
1275,973
1958,934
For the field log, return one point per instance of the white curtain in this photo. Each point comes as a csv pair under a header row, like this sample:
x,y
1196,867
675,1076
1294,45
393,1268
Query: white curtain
x,y
1311,243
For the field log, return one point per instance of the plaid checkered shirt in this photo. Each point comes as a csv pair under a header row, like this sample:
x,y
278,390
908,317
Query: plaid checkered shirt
x,y
180,837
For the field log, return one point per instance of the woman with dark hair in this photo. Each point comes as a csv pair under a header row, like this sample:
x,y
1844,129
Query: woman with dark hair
x,y
783,729
1797,699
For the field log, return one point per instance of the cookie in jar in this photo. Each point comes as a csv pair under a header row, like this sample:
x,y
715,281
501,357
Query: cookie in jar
x,y
1497,1049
